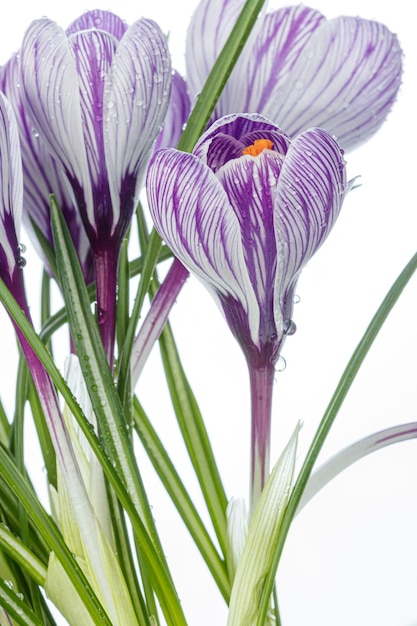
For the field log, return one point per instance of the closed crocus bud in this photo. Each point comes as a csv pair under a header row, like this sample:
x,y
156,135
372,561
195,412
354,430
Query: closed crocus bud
x,y
98,95
245,212
300,69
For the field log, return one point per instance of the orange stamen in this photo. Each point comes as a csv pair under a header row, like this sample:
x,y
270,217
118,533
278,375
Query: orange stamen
x,y
258,146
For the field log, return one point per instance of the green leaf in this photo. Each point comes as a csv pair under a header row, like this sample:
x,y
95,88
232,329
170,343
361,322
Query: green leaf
x,y
16,607
180,497
109,413
326,423
264,529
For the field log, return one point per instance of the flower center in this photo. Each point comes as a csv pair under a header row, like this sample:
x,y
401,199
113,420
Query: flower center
x,y
258,146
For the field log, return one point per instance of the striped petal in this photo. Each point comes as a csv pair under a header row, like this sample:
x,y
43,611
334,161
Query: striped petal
x,y
301,70
265,69
102,20
177,114
311,190
210,25
42,175
11,190
346,81
192,213
51,96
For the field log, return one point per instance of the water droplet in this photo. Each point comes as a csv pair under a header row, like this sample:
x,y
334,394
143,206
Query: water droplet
x,y
290,327
8,584
281,364
110,104
296,299
21,248
21,261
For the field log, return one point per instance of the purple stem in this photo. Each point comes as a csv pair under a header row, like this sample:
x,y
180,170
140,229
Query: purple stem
x,y
105,263
261,385
156,318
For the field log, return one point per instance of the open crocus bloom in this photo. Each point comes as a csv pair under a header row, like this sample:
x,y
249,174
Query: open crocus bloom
x,y
245,212
300,69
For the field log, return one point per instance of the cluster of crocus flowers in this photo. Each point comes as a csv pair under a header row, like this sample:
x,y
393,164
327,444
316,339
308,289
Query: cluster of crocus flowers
x,y
244,212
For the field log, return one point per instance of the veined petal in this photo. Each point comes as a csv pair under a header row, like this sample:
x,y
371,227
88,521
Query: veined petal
x,y
345,81
177,114
51,95
136,99
42,175
93,52
311,189
265,67
210,25
11,189
192,213
250,184
102,20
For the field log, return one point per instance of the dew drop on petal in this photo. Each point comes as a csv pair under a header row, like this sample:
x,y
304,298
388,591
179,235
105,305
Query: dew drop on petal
x,y
296,299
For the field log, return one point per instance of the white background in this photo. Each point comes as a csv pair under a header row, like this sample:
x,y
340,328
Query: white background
x,y
351,557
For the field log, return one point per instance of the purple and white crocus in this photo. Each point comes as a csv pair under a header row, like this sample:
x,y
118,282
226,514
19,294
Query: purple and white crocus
x,y
300,69
244,212
97,95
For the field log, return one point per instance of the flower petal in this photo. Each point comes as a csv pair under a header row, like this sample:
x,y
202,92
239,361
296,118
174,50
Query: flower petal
x,y
260,79
191,212
51,95
346,81
177,114
42,175
210,25
250,184
136,99
11,189
102,20
311,189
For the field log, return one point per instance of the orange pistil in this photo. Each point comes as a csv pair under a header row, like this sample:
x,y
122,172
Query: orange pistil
x,y
258,146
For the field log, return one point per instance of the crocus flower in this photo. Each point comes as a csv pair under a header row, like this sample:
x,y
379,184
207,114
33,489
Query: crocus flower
x,y
97,96
43,175
244,213
300,69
